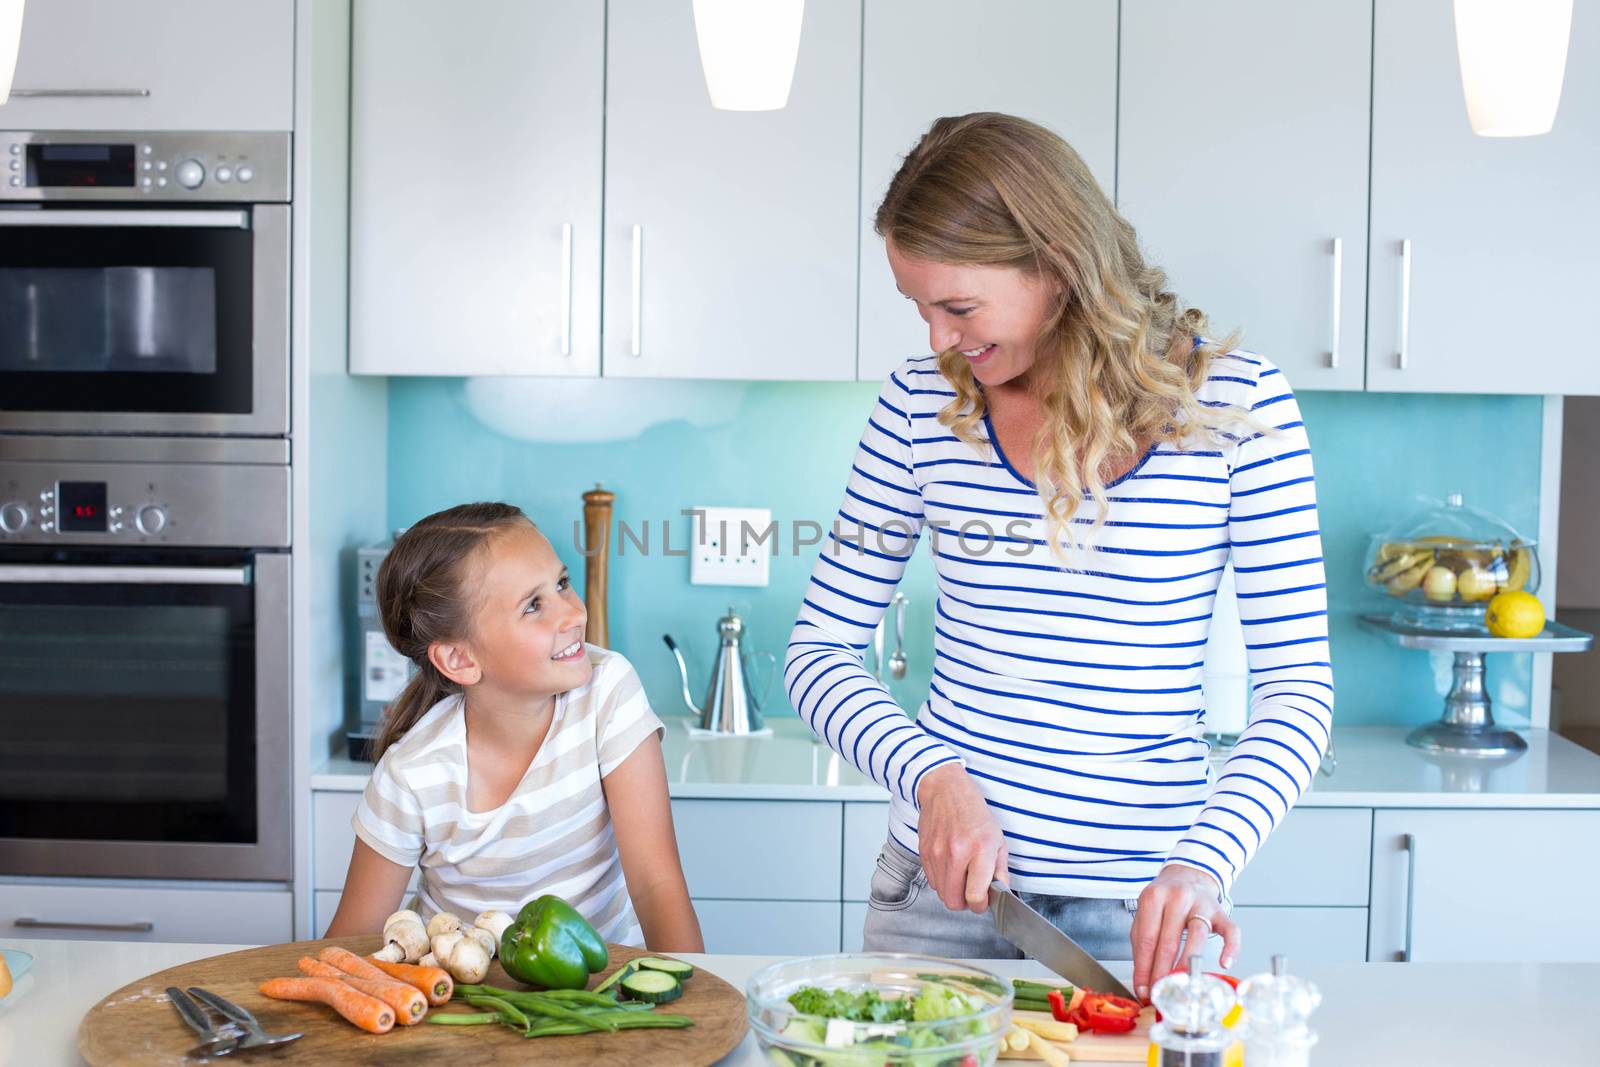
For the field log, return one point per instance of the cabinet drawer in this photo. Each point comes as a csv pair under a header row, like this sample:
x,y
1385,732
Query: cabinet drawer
x,y
1305,935
226,916
331,837
769,927
759,850
1316,857
866,827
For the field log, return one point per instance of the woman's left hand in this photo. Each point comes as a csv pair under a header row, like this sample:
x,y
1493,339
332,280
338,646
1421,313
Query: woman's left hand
x,y
1179,898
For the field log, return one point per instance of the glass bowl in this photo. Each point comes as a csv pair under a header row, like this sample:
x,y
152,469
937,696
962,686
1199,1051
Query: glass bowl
x,y
1445,563
791,1038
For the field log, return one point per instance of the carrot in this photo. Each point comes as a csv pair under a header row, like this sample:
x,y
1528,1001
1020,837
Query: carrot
x,y
350,963
408,1003
367,1012
434,981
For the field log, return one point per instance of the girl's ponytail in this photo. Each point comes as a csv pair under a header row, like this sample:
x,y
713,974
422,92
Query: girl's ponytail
x,y
421,601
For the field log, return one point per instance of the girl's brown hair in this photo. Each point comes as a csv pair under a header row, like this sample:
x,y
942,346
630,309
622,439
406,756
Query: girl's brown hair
x,y
422,600
1118,357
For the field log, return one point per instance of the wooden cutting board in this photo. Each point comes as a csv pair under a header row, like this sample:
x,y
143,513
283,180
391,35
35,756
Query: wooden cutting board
x,y
1091,1048
137,1026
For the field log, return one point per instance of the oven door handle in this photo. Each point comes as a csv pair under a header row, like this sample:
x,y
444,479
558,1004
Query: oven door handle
x,y
56,574
222,218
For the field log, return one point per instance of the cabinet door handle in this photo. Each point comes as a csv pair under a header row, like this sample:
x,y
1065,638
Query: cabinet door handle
x,y
638,278
1409,843
1405,301
566,288
106,928
80,92
1338,300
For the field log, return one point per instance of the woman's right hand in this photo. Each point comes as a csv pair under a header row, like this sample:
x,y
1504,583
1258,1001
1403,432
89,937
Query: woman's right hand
x,y
958,839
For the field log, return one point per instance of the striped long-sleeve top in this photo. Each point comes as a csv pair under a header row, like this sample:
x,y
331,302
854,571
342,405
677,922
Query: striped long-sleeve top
x,y
1072,694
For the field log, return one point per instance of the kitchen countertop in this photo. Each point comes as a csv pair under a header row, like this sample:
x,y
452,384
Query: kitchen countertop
x,y
1372,1014
1376,769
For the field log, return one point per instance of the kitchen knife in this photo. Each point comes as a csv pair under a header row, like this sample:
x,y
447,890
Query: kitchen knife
x,y
1037,937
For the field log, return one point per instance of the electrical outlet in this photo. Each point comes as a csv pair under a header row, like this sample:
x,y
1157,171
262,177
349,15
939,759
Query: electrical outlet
x,y
730,546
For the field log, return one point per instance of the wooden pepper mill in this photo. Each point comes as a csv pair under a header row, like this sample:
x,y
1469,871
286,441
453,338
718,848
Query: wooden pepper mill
x,y
596,558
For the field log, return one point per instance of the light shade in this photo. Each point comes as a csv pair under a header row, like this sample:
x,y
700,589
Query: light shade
x,y
747,50
1513,58
10,38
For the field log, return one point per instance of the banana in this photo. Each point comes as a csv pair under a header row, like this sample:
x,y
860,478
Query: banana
x,y
1409,579
1521,570
1385,570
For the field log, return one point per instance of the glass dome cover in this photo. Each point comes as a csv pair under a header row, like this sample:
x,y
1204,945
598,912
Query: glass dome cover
x,y
1444,564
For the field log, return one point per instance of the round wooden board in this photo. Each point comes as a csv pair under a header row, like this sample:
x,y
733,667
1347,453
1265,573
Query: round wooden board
x,y
137,1026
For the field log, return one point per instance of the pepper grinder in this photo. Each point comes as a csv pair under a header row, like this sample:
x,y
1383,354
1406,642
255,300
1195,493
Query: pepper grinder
x,y
1190,1033
1277,1006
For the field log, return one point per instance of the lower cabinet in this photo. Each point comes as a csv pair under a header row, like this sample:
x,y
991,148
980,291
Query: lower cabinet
x,y
769,927
159,912
1484,886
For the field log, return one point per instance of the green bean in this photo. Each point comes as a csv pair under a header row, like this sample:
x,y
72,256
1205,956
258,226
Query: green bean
x,y
462,1018
512,1013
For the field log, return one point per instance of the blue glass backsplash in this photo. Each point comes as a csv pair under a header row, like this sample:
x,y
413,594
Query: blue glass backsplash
x,y
663,447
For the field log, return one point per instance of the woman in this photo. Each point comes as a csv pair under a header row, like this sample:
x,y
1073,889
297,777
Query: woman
x,y
1087,463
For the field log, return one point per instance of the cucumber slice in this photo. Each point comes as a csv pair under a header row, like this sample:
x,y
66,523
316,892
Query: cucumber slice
x,y
677,968
653,987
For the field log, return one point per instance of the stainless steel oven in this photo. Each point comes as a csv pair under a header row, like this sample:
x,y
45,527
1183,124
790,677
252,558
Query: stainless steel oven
x,y
145,726
144,283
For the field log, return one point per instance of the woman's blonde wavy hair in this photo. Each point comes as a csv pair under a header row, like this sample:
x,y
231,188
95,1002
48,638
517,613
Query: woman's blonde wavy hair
x,y
1118,352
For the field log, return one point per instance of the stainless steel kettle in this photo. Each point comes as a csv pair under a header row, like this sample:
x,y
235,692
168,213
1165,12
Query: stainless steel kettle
x,y
731,708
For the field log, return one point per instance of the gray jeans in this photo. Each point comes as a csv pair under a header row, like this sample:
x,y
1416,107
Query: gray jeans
x,y
905,915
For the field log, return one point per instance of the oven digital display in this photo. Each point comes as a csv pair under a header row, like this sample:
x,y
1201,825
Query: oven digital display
x,y
81,507
80,165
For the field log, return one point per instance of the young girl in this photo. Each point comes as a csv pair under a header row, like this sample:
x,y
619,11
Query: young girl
x,y
519,760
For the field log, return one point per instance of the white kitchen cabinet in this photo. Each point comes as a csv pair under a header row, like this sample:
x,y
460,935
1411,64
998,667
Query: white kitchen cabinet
x,y
1316,857
1484,886
1050,62
475,171
759,849
1242,164
730,237
866,828
1501,231
200,64
1304,935
332,838
151,911
769,927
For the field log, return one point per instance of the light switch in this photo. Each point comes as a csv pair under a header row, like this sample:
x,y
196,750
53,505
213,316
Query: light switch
x,y
731,546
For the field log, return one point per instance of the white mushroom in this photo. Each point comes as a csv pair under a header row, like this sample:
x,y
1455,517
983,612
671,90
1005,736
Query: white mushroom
x,y
444,944
405,939
493,921
443,923
430,960
482,937
466,961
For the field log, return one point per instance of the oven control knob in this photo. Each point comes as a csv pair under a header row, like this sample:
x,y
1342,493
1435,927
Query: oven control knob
x,y
151,520
190,173
13,517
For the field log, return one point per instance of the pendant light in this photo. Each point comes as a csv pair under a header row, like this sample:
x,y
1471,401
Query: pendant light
x,y
10,38
747,50
1513,57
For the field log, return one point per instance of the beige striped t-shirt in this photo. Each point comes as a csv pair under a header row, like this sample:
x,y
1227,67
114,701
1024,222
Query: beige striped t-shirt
x,y
553,835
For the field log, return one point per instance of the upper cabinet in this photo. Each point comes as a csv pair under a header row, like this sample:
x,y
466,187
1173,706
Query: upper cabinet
x,y
1483,249
475,171
729,236
154,65
1050,62
1243,165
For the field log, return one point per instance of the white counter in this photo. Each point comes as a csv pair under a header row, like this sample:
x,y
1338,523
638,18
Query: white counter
x,y
1376,769
1373,1014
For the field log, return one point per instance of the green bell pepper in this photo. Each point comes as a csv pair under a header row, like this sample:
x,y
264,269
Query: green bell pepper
x,y
551,945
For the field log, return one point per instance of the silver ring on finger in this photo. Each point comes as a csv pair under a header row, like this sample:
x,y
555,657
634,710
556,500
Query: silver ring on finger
x,y
1202,919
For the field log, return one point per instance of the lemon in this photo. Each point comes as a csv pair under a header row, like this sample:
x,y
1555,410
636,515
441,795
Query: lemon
x,y
1515,614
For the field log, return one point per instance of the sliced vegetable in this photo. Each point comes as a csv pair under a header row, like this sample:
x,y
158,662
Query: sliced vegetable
x,y
616,976
367,1012
677,968
1109,1014
652,987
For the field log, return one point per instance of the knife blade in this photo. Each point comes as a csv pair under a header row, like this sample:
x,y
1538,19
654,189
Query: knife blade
x,y
1038,937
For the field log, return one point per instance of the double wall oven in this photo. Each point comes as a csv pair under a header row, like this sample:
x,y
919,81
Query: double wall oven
x,y
144,506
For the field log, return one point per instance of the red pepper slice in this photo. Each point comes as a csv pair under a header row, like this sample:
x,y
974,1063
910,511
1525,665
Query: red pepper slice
x,y
1109,1014
1058,1006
